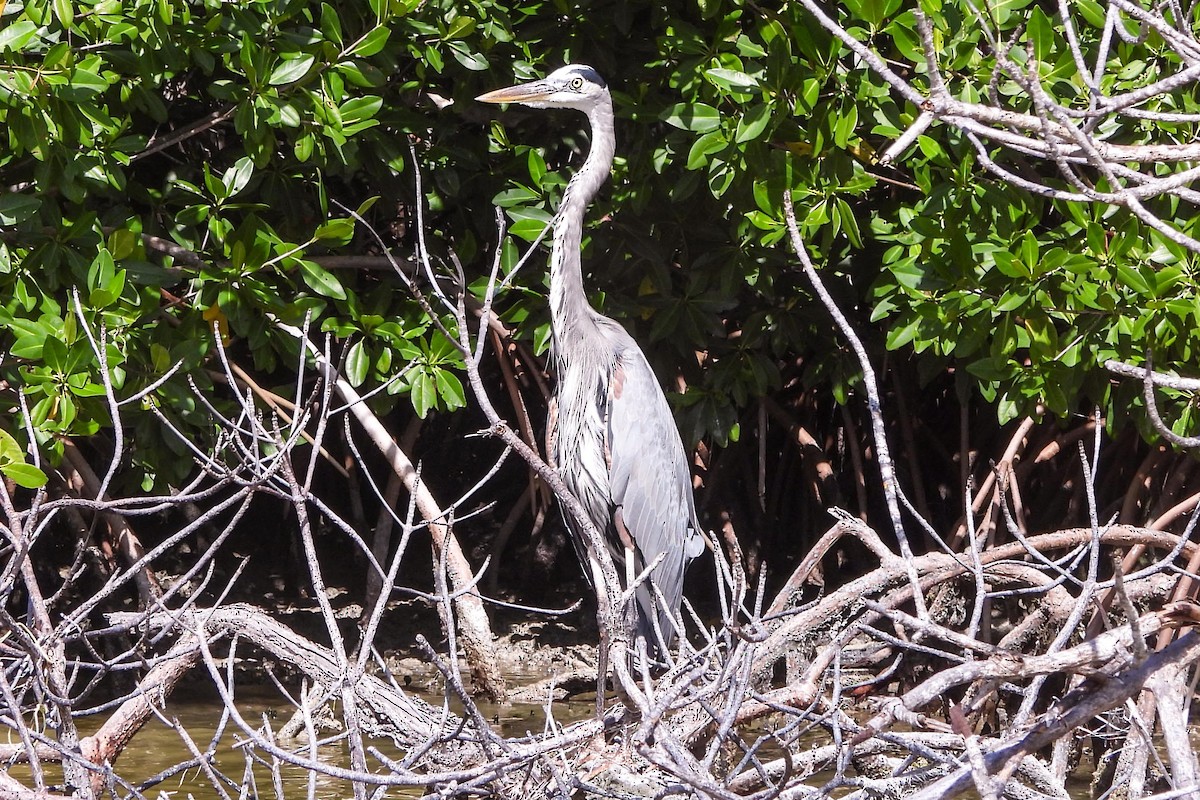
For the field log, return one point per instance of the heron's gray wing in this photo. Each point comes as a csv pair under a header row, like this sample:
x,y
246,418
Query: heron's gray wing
x,y
650,483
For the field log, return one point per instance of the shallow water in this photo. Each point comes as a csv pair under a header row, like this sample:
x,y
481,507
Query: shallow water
x,y
158,747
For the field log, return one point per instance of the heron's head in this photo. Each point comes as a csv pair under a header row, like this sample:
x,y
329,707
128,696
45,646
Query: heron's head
x,y
573,86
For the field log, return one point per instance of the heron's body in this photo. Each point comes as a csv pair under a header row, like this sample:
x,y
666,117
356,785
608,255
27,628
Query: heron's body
x,y
612,436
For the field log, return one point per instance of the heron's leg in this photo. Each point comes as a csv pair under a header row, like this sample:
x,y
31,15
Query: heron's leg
x,y
629,612
603,593
631,608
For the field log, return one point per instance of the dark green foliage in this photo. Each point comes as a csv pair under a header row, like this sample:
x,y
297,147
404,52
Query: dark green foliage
x,y
176,166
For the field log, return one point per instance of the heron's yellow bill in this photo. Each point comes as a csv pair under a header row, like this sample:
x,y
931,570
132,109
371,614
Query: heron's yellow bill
x,y
521,93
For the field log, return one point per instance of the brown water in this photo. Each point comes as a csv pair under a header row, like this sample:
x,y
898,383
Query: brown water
x,y
158,747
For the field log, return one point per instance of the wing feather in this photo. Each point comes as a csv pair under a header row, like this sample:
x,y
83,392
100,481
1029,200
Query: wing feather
x,y
651,484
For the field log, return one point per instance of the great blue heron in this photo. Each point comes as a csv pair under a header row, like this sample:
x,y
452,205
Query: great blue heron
x,y
612,437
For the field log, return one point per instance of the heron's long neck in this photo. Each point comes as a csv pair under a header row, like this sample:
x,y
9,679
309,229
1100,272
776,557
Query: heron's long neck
x,y
569,308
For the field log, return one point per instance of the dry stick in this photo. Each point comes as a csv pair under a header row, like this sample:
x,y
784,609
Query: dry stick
x,y
108,743
1087,591
381,540
1134,556
939,567
1178,477
525,425
1011,487
52,656
805,568
281,407
1133,762
1169,686
392,712
1110,649
381,534
1053,134
988,787
879,434
478,643
985,493
10,789
1072,711
1148,384
82,480
1183,589
1055,447
15,713
299,501
373,614
1150,380
1173,513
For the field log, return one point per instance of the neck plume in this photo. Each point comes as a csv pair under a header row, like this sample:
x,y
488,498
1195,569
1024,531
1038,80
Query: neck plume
x,y
569,308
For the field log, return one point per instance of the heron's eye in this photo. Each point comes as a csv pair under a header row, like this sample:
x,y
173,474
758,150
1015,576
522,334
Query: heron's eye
x,y
576,84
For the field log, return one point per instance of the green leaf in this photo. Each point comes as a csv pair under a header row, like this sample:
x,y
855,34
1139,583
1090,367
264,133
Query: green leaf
x,y
360,108
237,176
1029,252
424,394
517,196
696,117
1131,70
292,70
122,243
87,390
843,130
874,12
160,357
1012,299
1040,30
467,57
331,24
528,223
1009,265
358,364
64,12
371,43
16,207
10,451
1130,277
753,123
85,83
460,28
54,353
732,79
25,475
338,231
29,346
321,281
536,166
303,149
849,223
450,389
16,35
899,336
705,146
102,297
